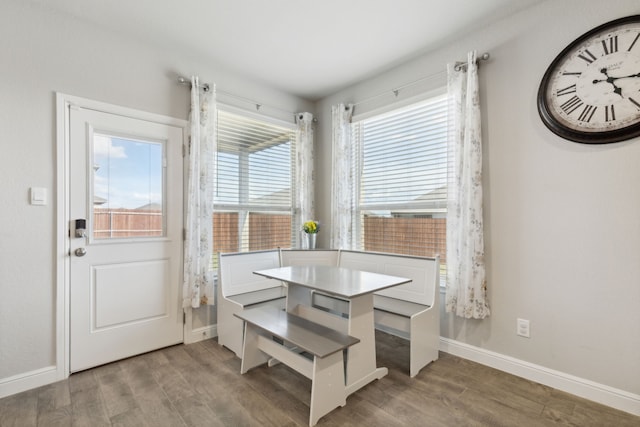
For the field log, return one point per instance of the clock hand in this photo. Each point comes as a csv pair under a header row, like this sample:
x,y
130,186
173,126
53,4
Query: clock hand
x,y
611,80
626,77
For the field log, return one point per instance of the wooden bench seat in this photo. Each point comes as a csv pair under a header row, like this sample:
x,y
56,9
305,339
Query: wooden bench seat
x,y
397,306
298,335
248,299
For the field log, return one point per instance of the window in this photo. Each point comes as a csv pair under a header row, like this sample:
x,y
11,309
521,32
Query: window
x,y
401,180
253,184
128,187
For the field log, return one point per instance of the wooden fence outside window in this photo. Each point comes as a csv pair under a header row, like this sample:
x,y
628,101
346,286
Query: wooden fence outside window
x,y
401,235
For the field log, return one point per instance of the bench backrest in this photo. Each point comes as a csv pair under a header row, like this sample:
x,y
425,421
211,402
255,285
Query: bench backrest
x,y
308,257
424,273
236,271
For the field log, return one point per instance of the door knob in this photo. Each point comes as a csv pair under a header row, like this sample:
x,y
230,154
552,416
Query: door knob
x,y
80,252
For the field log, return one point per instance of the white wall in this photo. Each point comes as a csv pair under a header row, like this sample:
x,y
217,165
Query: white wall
x,y
562,220
42,52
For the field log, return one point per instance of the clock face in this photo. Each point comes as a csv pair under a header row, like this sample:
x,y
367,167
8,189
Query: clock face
x,y
591,91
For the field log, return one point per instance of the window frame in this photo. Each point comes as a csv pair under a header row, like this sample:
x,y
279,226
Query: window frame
x,y
246,208
434,208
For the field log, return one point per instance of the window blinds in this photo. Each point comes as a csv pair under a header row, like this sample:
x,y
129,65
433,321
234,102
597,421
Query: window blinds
x,y
253,184
401,170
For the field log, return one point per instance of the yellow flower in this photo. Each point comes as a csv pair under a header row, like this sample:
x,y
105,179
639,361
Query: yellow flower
x,y
310,227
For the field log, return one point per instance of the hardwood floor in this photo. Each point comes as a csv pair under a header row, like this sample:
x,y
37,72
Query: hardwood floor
x,y
200,384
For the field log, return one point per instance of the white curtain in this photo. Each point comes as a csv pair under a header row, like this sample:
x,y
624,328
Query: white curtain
x,y
198,245
466,292
342,185
304,170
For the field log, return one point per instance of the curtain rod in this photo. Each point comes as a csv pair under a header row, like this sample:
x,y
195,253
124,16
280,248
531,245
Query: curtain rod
x,y
459,65
206,87
187,82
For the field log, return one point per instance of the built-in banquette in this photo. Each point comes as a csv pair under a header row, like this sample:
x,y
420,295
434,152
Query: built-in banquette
x,y
410,311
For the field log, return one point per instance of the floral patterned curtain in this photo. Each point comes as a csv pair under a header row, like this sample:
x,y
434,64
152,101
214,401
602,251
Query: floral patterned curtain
x,y
342,209
304,170
466,292
198,246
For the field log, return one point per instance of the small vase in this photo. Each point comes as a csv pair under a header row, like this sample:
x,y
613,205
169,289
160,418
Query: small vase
x,y
311,240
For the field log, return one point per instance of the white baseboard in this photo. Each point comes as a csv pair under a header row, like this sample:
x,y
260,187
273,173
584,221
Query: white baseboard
x,y
615,398
201,334
28,380
50,374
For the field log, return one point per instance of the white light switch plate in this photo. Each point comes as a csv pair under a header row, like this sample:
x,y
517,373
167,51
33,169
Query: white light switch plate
x,y
38,196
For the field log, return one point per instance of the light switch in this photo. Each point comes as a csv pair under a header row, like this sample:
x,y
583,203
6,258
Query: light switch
x,y
38,196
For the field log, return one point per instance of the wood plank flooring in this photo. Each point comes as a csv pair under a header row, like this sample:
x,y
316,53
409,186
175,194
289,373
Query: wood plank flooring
x,y
200,385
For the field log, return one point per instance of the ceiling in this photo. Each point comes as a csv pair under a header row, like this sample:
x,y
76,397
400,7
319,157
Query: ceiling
x,y
306,48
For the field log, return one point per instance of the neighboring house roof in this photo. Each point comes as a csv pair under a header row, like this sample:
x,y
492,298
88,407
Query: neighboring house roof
x,y
439,193
150,207
97,200
277,198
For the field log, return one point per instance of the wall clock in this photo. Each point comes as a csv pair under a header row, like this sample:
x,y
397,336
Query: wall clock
x,y
591,91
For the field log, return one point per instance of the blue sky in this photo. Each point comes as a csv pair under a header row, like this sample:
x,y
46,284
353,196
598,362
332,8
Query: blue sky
x,y
129,173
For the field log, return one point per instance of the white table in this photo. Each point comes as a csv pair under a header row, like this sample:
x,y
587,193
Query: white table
x,y
355,286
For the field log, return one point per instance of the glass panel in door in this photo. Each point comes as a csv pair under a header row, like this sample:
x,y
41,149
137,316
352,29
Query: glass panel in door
x,y
128,178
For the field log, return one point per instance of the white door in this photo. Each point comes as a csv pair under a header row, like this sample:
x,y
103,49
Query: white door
x,y
125,182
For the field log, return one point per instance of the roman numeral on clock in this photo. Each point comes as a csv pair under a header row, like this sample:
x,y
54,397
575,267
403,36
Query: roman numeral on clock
x,y
610,45
587,56
609,113
634,102
634,42
567,90
571,105
587,113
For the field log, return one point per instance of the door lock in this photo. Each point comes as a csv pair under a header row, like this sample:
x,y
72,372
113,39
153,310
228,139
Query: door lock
x,y
80,226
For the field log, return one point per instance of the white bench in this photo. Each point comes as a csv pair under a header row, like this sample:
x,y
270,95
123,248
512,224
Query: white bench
x,y
239,289
308,257
325,368
410,311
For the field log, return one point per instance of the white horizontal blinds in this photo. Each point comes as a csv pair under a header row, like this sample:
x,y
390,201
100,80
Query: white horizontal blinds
x,y
253,188
402,170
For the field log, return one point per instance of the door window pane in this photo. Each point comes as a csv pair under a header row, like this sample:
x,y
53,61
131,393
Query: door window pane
x,y
127,187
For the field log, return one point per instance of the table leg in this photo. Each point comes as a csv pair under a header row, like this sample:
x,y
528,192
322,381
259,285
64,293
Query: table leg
x,y
297,295
361,366
361,357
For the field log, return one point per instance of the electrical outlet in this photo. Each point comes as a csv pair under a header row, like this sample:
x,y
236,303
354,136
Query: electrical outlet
x,y
523,328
